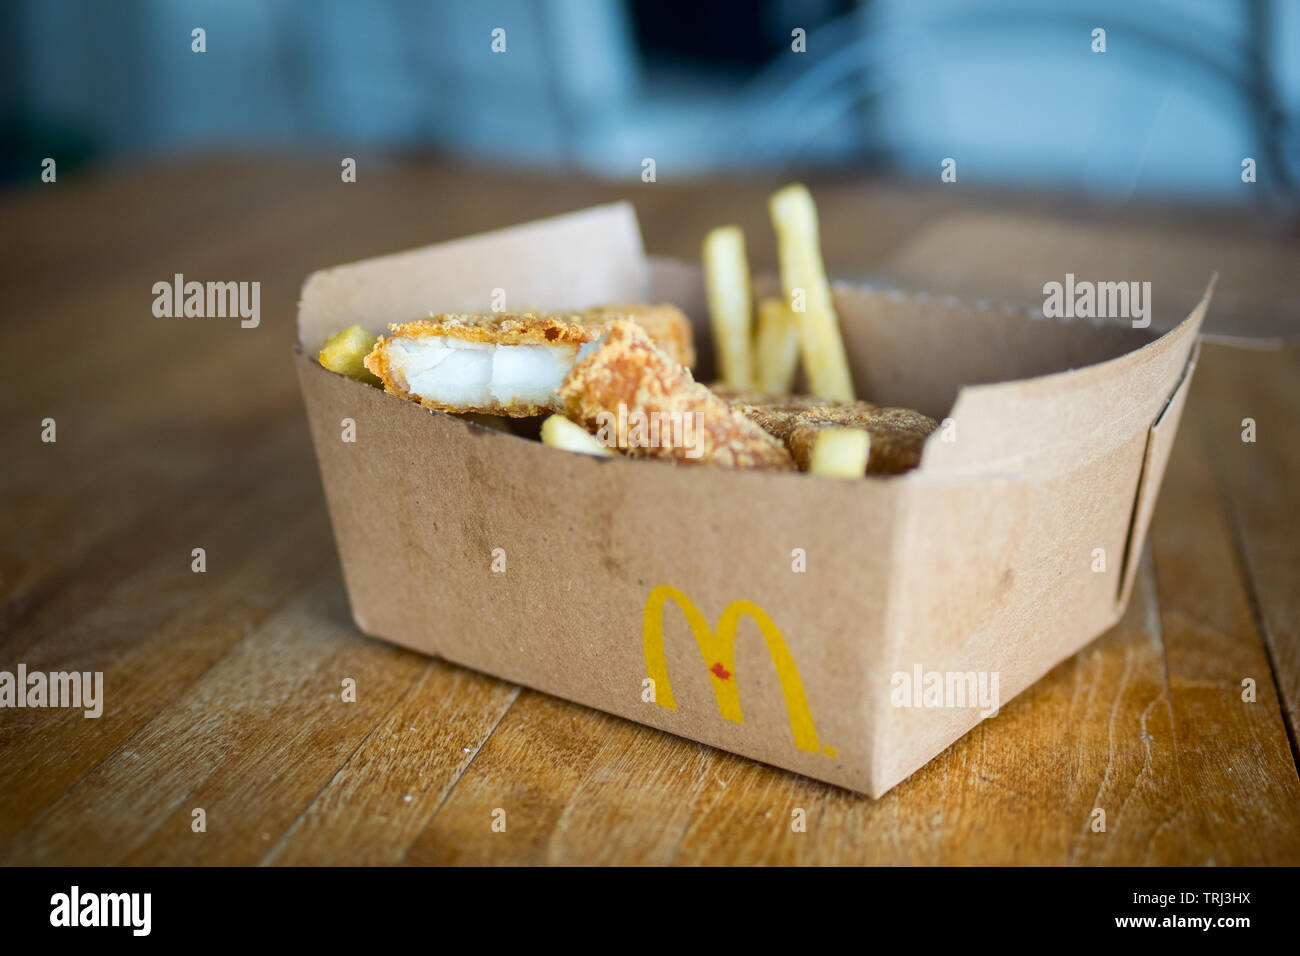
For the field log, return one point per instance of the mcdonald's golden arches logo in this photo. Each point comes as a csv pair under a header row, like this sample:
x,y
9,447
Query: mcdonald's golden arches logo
x,y
719,652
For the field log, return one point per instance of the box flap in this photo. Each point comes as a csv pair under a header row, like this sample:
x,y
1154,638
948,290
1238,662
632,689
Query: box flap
x,y
567,262
1007,256
1160,443
1022,427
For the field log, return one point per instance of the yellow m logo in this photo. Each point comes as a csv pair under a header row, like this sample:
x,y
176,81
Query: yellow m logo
x,y
719,652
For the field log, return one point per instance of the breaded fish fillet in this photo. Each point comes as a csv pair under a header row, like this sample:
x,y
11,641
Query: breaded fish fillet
x,y
668,327
636,397
507,363
897,434
749,400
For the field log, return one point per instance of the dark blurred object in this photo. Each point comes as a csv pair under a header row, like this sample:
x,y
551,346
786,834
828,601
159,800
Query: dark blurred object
x,y
736,35
26,141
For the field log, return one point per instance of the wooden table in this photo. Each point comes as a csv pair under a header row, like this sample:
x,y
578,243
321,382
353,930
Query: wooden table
x,y
223,687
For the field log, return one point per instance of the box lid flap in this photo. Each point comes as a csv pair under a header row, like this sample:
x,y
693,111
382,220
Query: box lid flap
x,y
1047,424
567,262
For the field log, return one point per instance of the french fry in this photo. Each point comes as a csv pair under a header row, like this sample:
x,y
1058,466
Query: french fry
x,y
726,279
559,432
343,352
803,277
778,346
831,450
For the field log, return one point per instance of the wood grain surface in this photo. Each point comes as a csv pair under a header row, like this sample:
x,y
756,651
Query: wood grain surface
x,y
223,688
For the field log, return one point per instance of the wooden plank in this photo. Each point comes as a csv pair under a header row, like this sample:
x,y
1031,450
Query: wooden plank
x,y
1258,481
1241,793
251,742
390,787
528,768
152,626
145,406
152,525
167,472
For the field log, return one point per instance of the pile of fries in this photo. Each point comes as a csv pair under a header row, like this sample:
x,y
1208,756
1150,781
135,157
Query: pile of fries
x,y
617,380
827,432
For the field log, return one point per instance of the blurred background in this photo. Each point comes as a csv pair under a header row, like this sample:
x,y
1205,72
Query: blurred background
x,y
1155,140
1014,90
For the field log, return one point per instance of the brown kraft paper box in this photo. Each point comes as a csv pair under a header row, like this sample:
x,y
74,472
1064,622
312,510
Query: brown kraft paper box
x,y
767,614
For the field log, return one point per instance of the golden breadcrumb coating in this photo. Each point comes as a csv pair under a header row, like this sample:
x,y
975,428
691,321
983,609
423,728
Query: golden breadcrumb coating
x,y
627,370
666,325
749,400
897,434
801,442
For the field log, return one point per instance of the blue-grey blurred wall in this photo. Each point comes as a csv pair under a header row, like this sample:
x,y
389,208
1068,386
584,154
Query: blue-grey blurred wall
x,y
1011,89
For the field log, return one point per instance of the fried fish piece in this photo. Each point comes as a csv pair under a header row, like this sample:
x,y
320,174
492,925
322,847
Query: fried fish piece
x,y
637,398
751,400
897,434
668,327
508,363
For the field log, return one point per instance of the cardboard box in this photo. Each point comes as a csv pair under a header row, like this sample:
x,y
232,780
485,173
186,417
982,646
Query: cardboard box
x,y
779,615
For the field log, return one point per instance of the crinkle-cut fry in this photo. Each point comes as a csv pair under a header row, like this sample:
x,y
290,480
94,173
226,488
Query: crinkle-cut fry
x,y
803,276
777,347
726,282
345,352
559,432
836,451
635,397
